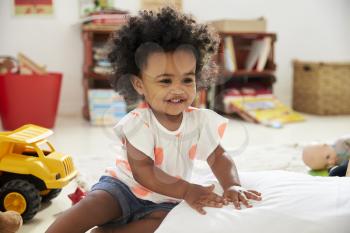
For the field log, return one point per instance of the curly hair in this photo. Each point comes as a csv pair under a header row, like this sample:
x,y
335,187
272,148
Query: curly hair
x,y
165,31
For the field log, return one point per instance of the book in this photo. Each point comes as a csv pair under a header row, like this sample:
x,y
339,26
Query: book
x,y
261,108
229,54
256,49
264,54
155,5
101,27
240,25
211,93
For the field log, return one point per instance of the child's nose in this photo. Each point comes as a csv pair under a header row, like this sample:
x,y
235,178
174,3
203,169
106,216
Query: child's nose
x,y
176,91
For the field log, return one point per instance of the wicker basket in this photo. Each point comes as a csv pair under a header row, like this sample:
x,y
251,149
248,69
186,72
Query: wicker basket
x,y
321,88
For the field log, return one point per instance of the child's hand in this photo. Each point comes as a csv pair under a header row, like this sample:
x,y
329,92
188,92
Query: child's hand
x,y
198,196
237,194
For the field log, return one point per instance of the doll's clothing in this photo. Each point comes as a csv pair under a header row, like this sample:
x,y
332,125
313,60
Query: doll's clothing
x,y
339,170
342,148
174,152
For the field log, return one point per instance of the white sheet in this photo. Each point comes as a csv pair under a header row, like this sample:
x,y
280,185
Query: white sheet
x,y
292,202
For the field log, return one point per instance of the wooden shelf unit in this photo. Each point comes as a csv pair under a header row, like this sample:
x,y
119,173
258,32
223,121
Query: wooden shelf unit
x,y
92,35
241,78
238,79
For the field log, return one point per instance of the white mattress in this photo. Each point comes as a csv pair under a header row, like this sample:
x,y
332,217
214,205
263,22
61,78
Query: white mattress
x,y
292,202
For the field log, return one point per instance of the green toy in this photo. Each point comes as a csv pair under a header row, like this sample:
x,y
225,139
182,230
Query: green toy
x,y
318,172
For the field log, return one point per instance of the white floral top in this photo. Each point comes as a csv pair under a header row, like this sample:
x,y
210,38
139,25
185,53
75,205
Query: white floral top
x,y
174,152
342,148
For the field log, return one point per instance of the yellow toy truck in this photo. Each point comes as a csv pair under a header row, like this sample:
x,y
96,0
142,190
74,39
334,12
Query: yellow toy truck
x,y
31,170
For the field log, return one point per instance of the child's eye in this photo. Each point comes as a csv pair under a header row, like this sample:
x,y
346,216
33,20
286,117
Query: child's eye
x,y
188,80
166,81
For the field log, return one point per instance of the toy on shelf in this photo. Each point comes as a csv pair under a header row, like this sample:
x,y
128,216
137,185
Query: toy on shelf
x,y
31,170
334,157
10,222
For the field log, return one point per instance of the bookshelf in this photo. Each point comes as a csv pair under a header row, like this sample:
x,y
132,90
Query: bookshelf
x,y
94,38
246,63
239,77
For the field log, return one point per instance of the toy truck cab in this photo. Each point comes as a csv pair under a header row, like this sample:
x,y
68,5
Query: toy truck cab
x,y
31,170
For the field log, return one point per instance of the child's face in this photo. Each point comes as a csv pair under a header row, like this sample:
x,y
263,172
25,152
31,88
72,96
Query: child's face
x,y
168,81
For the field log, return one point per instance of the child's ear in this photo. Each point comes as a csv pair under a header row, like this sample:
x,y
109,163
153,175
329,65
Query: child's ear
x,y
137,84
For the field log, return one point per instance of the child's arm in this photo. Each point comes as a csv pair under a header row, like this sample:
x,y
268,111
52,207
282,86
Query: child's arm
x,y
225,171
148,175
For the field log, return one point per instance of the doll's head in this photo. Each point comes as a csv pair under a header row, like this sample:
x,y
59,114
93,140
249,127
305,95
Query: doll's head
x,y
163,57
319,156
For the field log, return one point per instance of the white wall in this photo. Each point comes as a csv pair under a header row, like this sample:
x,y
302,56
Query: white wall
x,y
50,40
306,30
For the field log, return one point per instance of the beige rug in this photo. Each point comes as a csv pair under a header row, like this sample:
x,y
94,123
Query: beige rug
x,y
253,158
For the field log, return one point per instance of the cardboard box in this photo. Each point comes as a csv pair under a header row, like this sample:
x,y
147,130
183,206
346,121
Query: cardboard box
x,y
240,25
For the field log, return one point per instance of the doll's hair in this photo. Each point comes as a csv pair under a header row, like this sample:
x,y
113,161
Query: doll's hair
x,y
167,31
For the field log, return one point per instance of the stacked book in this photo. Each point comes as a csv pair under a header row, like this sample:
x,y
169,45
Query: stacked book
x,y
105,20
106,107
102,64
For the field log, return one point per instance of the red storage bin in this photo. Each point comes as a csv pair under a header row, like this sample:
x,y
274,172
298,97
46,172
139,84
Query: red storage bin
x,y
28,99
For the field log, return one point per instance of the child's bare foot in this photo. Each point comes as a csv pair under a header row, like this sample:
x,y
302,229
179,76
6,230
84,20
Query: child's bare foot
x,y
10,222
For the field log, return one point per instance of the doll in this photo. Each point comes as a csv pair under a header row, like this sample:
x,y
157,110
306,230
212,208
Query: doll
x,y
10,221
329,156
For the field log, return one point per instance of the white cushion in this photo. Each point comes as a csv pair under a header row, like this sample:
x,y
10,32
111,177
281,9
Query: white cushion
x,y
292,202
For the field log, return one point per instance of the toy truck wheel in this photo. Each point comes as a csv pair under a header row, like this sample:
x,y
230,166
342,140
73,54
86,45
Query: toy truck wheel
x,y
50,194
20,196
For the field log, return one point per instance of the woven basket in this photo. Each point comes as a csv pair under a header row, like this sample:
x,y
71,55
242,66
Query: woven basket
x,y
321,88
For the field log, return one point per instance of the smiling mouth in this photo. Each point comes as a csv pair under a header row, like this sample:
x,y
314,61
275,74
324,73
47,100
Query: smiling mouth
x,y
176,101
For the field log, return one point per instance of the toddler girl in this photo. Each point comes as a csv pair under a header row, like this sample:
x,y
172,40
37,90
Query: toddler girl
x,y
160,58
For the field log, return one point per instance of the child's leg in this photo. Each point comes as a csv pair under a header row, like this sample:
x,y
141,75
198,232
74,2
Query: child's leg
x,y
148,224
97,208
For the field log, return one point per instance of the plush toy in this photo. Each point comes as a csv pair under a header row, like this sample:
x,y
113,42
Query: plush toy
x,y
334,157
10,222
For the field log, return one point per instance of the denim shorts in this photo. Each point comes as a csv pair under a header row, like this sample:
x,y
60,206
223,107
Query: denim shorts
x,y
133,208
